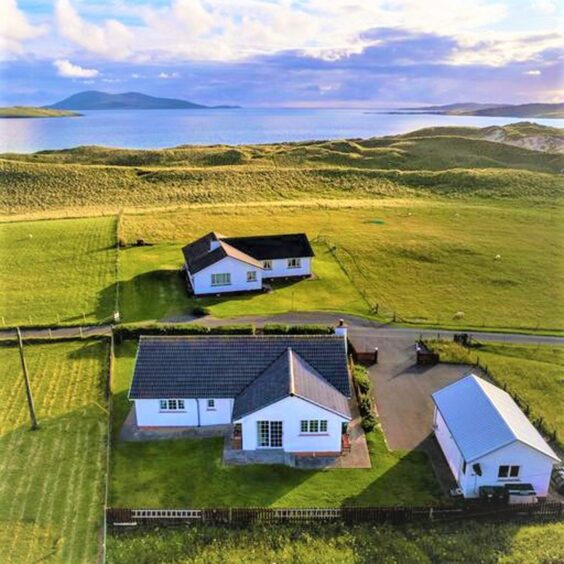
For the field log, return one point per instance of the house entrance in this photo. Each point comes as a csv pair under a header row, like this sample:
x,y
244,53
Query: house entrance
x,y
269,434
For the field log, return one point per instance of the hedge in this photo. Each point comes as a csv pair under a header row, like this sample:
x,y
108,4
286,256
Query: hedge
x,y
365,403
282,329
134,331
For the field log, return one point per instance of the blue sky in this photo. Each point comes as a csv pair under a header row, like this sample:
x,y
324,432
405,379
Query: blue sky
x,y
314,53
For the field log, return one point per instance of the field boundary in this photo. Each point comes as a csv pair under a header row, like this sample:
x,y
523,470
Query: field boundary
x,y
469,510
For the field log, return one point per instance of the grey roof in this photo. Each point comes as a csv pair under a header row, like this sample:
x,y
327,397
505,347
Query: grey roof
x,y
253,250
197,255
483,418
290,375
222,366
264,247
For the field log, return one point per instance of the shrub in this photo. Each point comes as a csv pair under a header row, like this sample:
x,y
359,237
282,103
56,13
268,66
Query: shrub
x,y
200,311
365,405
361,379
232,330
368,422
306,329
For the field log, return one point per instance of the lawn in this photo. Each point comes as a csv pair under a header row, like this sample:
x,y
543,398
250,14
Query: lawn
x,y
429,262
60,271
531,373
190,472
330,543
52,480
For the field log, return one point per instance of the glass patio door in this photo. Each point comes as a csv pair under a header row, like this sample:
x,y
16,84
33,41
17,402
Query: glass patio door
x,y
269,434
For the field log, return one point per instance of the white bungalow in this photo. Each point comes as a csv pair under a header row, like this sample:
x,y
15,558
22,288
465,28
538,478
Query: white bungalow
x,y
487,440
216,264
280,392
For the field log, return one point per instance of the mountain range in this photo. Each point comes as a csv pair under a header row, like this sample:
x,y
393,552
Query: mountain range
x,y
96,100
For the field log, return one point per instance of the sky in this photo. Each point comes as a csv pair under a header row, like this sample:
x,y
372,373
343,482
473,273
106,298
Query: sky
x,y
284,53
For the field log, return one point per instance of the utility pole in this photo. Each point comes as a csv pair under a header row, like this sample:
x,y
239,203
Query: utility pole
x,y
34,424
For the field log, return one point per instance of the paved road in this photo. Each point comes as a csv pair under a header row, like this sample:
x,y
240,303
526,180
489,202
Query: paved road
x,y
361,330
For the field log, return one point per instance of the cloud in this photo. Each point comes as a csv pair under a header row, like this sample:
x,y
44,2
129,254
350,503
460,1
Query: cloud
x,y
15,28
68,70
168,75
111,40
545,7
533,72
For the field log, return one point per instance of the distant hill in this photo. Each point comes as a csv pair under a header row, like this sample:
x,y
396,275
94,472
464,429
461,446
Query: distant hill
x,y
96,100
493,110
32,112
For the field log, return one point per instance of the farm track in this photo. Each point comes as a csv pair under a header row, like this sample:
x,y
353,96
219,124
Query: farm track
x,y
359,327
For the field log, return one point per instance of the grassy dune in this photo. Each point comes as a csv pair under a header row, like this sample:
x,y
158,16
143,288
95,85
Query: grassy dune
x,y
60,271
52,480
425,261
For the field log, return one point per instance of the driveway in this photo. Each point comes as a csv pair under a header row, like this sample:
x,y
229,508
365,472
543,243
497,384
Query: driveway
x,y
403,390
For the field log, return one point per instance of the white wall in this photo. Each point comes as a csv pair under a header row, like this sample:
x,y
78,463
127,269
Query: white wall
x,y
450,449
291,411
220,415
149,414
280,268
201,281
535,469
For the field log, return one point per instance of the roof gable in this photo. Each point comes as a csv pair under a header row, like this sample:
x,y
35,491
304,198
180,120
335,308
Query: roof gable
x,y
290,375
483,418
222,366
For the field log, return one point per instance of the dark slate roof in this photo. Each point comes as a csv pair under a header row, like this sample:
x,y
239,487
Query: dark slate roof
x,y
289,375
273,246
198,256
222,366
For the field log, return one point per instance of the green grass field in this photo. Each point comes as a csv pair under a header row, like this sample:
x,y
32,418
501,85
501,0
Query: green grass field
x,y
531,373
57,272
426,261
148,474
52,479
332,543
33,112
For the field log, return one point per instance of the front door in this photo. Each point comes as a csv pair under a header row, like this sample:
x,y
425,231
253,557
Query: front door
x,y
269,434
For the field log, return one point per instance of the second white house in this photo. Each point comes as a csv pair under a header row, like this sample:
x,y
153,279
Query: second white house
x,y
216,264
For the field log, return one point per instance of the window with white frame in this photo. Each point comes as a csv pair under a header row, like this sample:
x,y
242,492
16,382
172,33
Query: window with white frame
x,y
252,276
172,405
313,426
221,279
211,404
294,263
267,264
507,471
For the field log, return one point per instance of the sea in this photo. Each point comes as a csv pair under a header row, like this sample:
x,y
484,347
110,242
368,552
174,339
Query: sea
x,y
151,129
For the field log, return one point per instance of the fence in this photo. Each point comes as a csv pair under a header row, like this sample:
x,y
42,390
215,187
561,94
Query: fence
x,y
544,511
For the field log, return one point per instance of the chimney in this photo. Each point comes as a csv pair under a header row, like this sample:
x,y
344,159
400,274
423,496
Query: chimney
x,y
341,331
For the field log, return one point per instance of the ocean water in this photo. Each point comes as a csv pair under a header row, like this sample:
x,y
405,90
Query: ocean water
x,y
168,128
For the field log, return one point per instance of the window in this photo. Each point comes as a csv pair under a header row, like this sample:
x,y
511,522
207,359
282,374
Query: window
x,y
172,405
464,467
294,263
313,426
211,404
252,276
221,279
506,471
267,265
269,434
